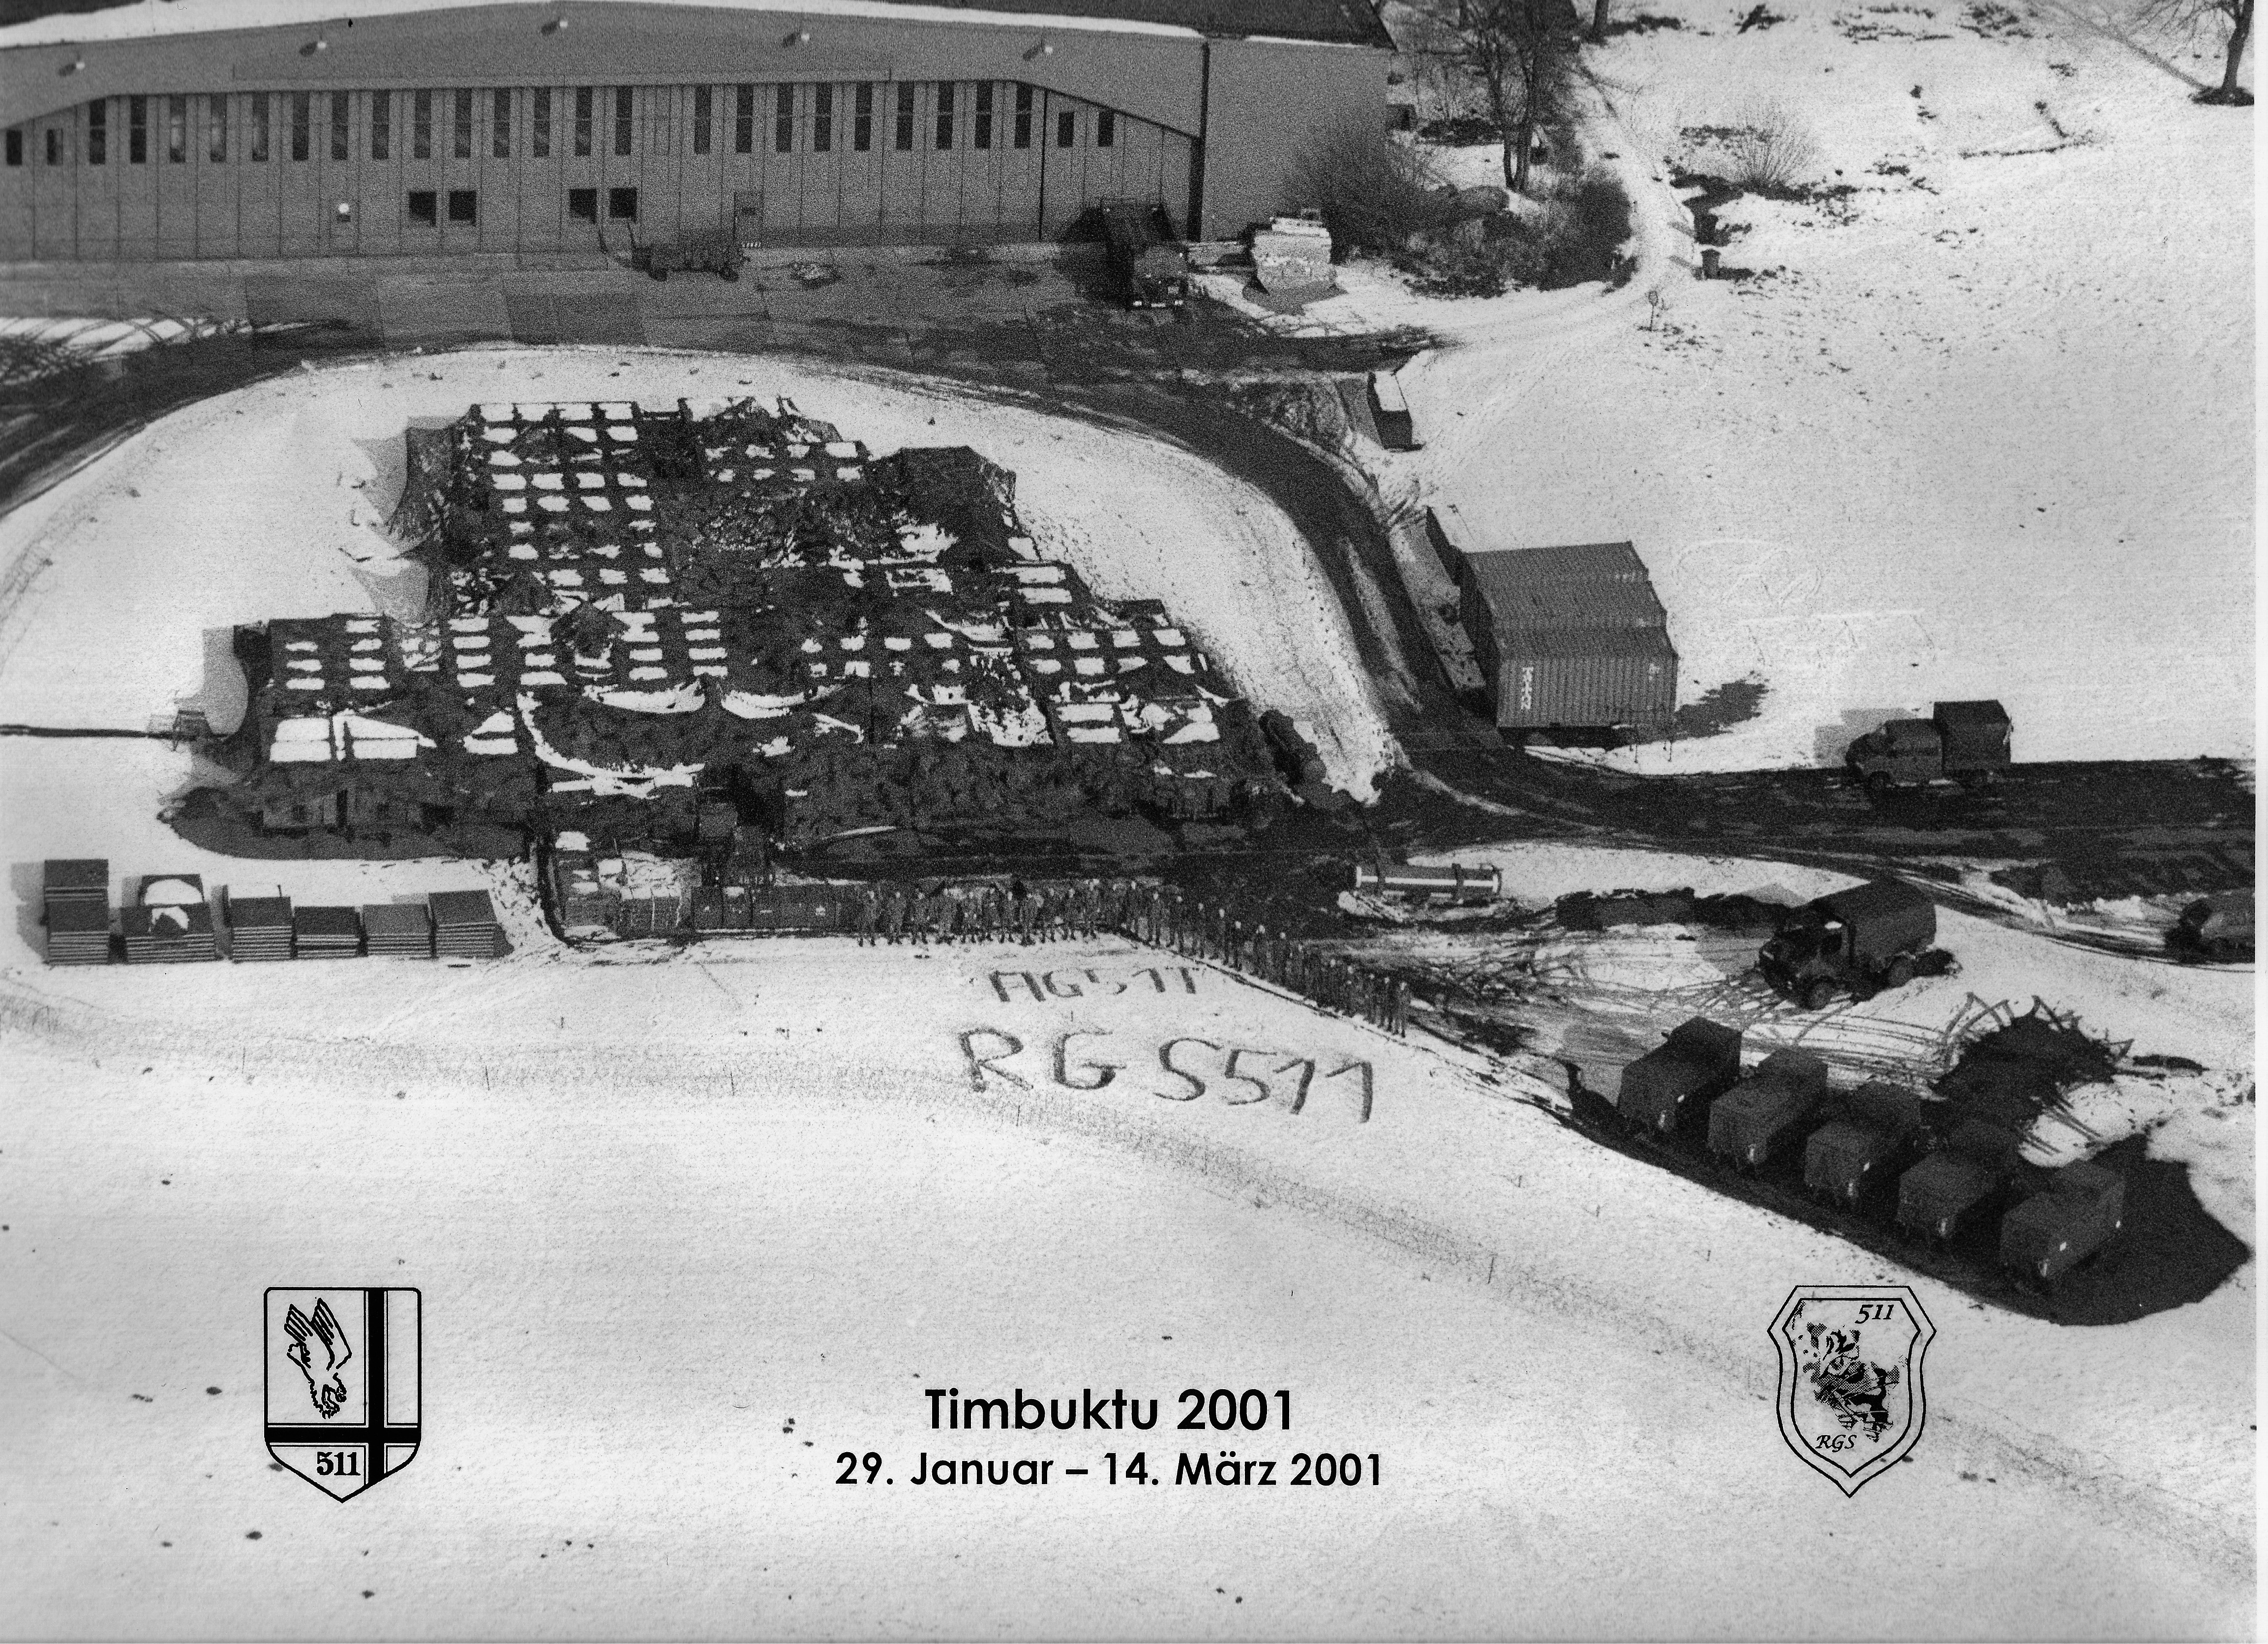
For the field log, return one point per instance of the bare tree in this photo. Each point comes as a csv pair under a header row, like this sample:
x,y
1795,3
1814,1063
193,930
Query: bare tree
x,y
1524,55
2188,15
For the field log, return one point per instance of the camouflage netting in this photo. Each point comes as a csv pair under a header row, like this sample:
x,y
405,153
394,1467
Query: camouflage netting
x,y
645,622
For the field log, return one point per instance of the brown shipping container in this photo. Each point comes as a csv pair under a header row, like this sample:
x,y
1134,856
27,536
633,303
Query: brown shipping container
x,y
1585,678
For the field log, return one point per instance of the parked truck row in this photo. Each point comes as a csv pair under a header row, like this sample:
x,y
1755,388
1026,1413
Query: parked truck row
x,y
1877,1149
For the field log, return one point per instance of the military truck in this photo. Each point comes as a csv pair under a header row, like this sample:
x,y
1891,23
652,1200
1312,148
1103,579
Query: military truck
x,y
1877,935
1857,1152
1149,269
2219,926
1957,1183
1762,1115
2083,1209
1961,742
1679,1077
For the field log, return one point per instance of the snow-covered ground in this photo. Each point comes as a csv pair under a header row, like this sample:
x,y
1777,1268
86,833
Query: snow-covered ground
x,y
1983,428
689,1227
271,501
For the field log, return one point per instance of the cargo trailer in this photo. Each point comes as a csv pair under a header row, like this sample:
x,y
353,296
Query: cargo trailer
x,y
1874,1128
1759,1117
1957,1184
2047,1235
1678,1079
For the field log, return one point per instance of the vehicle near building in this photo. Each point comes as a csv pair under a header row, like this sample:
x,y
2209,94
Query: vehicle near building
x,y
1666,1088
1961,742
1956,1184
1855,1153
2083,1208
715,251
2219,926
1149,267
1875,936
1761,1114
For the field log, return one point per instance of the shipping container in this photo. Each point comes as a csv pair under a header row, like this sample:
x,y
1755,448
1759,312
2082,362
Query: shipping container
x,y
1586,679
1578,562
1495,601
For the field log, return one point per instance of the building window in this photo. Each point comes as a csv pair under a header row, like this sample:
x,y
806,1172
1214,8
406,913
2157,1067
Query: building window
x,y
905,132
582,204
1023,117
177,130
500,126
622,119
583,96
422,202
1105,127
15,145
97,133
217,131
55,145
704,113
137,130
823,119
302,118
539,125
945,113
463,205
744,119
621,205
421,126
461,125
342,143
1066,128
382,125
259,131
784,120
981,136
862,119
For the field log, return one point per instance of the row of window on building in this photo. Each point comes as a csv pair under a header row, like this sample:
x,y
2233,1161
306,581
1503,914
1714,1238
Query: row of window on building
x,y
466,122
464,205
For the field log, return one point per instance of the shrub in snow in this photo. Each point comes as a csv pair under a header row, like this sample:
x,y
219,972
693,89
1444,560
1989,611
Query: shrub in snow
x,y
1574,236
1770,147
1375,193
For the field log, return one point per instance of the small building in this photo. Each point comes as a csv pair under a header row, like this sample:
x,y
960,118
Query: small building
x,y
1569,639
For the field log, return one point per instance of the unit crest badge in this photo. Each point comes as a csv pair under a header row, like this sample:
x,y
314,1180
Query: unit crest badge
x,y
1851,1399
342,1384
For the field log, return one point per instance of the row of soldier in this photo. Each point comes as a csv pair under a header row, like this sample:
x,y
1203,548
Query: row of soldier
x,y
1158,915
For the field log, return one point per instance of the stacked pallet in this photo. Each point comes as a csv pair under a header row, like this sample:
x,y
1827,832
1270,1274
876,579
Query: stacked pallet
x,y
465,925
77,895
259,924
398,930
326,933
170,923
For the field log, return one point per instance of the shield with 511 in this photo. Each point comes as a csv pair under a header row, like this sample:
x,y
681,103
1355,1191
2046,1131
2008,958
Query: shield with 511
x,y
342,1384
1851,1400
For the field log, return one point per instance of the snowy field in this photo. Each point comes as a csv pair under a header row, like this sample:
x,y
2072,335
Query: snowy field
x,y
1983,428
688,1228
271,501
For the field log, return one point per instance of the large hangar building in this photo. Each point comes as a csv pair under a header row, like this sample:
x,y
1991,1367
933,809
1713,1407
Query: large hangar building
x,y
410,128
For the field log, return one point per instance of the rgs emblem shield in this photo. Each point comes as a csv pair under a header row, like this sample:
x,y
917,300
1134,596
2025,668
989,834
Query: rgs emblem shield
x,y
343,1394
1851,1400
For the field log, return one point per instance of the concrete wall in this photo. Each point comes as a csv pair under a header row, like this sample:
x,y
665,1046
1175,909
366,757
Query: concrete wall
x,y
1265,100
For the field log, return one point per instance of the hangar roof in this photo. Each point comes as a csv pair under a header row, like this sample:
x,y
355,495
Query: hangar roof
x,y
1336,22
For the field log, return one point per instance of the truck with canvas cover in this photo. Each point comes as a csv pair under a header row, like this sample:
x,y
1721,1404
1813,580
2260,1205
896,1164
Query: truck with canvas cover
x,y
1856,1151
2050,1233
1679,1077
2219,926
1878,935
1149,269
1759,1116
1961,742
1957,1183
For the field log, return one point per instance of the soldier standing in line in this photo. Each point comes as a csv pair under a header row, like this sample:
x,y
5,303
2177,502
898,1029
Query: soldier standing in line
x,y
866,912
893,915
1401,1008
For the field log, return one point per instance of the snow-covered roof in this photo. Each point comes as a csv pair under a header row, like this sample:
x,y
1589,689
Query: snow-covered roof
x,y
1351,22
